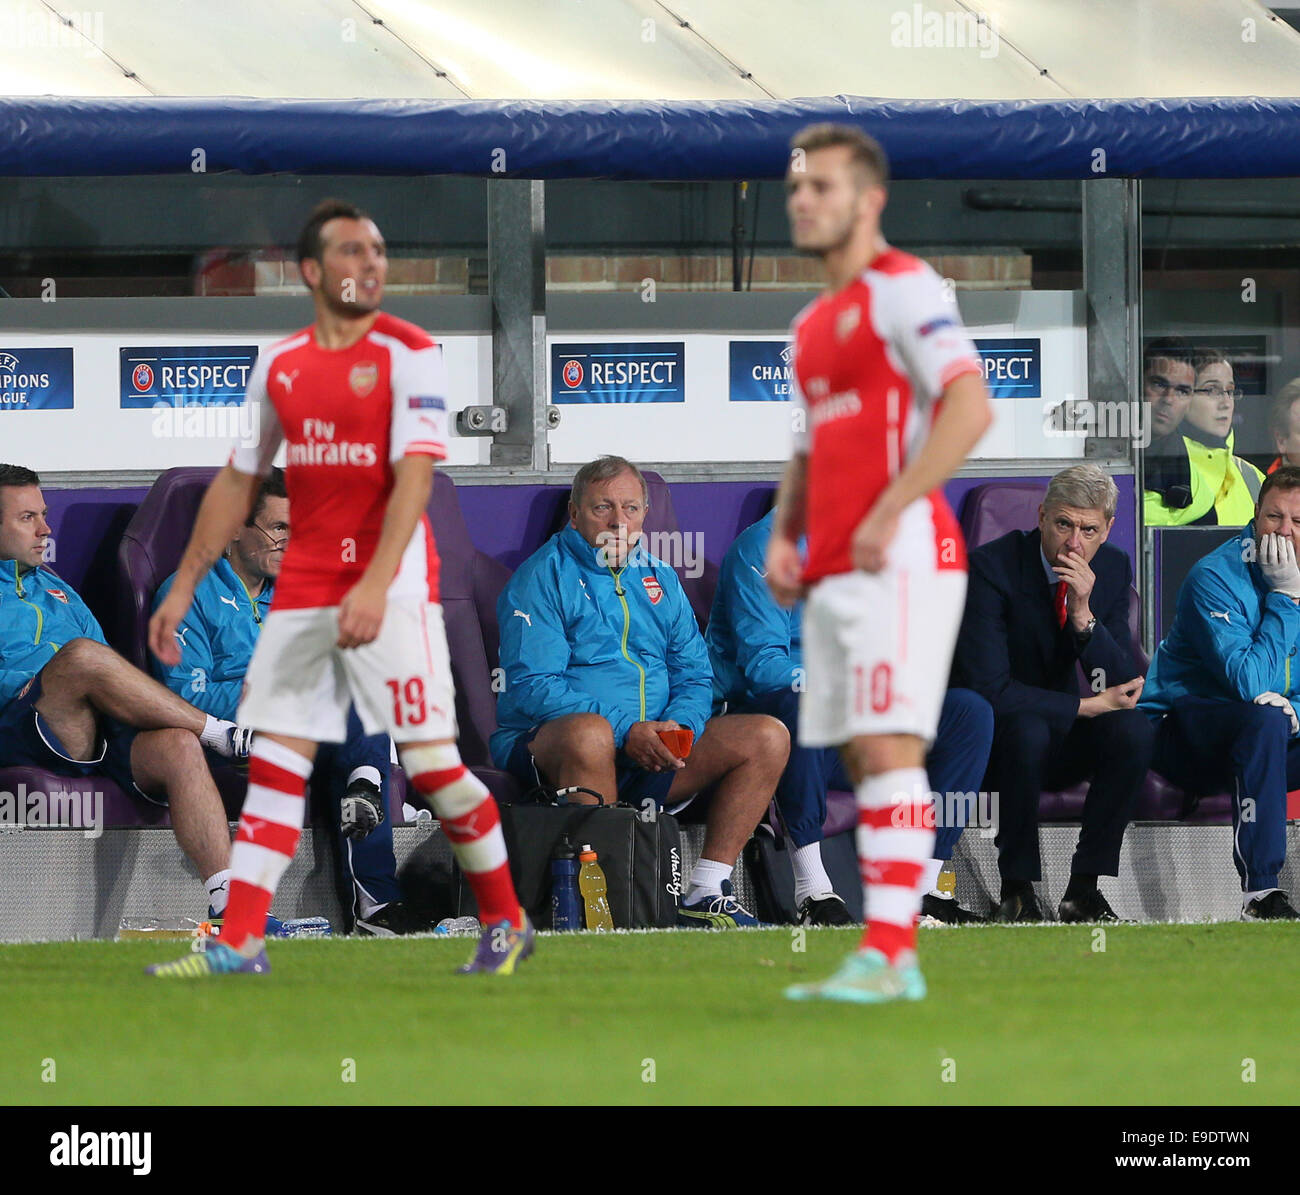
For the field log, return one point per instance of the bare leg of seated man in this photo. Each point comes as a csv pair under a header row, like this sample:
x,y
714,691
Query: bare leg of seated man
x,y
172,762
744,755
86,679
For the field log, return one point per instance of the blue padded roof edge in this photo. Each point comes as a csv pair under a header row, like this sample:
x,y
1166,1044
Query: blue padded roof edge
x,y
1026,139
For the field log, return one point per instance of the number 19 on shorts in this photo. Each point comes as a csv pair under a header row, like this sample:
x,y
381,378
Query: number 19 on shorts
x,y
409,706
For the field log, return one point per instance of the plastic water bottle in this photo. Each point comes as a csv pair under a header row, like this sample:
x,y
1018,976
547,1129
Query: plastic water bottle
x,y
305,927
162,928
591,883
564,888
458,927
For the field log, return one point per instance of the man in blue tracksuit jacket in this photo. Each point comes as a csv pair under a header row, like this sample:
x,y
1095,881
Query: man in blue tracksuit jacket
x,y
217,640
755,650
1223,682
69,704
601,652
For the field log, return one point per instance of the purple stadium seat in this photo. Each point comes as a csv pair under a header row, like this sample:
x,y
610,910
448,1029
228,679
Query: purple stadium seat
x,y
151,550
997,507
118,809
470,583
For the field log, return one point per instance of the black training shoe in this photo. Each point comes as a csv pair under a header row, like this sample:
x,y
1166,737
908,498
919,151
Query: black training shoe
x,y
948,911
1021,907
361,810
1273,907
393,920
1092,907
824,910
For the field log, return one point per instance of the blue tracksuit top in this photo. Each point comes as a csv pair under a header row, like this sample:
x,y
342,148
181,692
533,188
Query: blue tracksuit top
x,y
754,645
39,613
580,638
217,638
1231,640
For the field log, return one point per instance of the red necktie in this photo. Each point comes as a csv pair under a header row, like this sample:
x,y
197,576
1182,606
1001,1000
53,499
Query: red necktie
x,y
1058,604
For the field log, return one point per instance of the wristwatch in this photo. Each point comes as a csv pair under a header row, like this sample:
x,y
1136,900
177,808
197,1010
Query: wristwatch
x,y
1087,631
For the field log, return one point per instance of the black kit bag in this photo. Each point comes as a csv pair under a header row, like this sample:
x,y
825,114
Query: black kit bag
x,y
639,850
767,860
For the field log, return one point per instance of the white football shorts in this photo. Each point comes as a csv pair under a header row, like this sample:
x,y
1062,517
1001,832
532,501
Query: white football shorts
x,y
300,683
877,649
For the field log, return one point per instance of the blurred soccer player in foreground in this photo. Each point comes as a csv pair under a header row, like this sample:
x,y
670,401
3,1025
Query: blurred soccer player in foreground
x,y
360,398
885,575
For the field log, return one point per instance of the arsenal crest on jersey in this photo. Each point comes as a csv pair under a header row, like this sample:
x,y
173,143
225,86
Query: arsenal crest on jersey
x,y
363,377
847,321
654,591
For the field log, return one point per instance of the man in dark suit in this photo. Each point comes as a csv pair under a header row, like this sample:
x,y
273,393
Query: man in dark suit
x,y
1039,605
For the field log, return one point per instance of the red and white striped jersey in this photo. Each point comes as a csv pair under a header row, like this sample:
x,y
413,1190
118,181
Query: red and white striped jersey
x,y
346,416
869,363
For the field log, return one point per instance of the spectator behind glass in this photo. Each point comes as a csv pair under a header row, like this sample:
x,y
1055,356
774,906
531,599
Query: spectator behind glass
x,y
1284,426
1220,487
1168,378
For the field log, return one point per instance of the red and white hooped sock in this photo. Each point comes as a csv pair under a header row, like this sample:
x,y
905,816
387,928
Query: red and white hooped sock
x,y
895,840
472,822
269,827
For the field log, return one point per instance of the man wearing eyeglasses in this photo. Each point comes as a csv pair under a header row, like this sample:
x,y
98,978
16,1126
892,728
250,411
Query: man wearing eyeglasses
x,y
1194,478
1168,381
217,638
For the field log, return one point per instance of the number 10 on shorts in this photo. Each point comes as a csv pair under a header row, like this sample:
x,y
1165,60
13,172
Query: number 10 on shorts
x,y
409,706
879,685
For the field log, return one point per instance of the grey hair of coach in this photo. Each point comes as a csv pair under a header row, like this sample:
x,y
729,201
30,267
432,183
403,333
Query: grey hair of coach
x,y
1085,487
605,468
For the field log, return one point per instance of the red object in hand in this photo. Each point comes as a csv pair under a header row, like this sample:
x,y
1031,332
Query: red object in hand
x,y
679,742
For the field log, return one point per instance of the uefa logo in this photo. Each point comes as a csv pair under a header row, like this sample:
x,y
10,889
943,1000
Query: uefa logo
x,y
142,378
572,374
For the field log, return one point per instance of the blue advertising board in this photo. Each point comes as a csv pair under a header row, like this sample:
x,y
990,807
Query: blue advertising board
x,y
618,373
1012,367
35,379
185,375
761,370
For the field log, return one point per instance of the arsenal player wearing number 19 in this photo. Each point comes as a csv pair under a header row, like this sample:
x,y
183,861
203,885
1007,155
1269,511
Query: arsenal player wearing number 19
x,y
360,401
890,398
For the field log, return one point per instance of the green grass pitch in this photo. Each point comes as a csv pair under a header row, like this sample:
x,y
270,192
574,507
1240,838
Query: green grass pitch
x,y
1165,1015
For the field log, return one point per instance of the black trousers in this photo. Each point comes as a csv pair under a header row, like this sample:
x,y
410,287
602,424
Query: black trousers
x,y
1029,757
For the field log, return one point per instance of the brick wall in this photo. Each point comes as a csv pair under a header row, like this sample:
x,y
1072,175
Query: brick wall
x,y
576,273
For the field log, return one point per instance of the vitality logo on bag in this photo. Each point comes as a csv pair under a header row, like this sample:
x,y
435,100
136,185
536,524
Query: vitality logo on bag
x,y
674,884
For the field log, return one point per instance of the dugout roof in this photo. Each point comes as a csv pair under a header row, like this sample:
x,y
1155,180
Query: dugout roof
x,y
646,50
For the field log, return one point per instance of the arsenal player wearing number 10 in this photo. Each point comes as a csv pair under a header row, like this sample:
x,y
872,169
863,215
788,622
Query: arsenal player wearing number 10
x,y
360,400
890,398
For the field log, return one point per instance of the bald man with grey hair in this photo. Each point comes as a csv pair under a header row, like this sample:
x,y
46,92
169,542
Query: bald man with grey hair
x,y
1041,605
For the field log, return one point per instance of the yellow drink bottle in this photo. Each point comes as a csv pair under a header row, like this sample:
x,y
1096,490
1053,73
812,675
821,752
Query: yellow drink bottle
x,y
591,884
